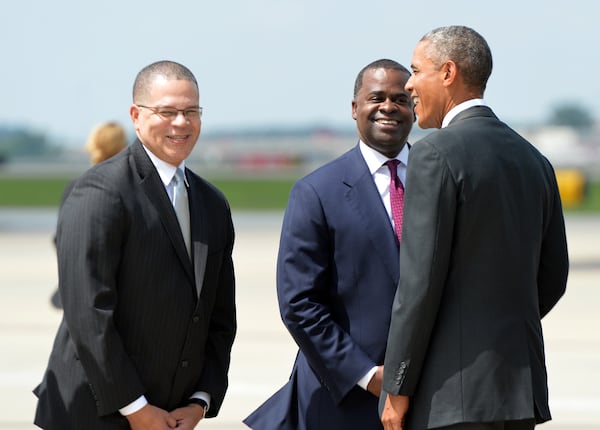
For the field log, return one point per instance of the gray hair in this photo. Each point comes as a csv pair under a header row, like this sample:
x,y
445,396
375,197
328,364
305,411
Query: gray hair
x,y
166,69
466,48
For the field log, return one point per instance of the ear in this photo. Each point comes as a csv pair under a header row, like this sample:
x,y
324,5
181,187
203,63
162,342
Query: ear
x,y
449,73
134,112
354,106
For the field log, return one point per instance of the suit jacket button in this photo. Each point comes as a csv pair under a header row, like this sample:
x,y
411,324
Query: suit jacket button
x,y
196,318
185,363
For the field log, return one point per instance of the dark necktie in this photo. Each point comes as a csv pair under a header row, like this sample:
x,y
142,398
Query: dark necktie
x,y
396,197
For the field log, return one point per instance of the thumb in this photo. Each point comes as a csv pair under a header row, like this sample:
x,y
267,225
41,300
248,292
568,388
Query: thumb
x,y
171,421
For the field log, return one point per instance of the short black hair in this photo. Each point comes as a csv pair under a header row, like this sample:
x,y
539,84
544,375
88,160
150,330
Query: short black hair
x,y
164,68
383,63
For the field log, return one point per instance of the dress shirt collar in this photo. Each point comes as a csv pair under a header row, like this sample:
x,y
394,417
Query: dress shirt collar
x,y
459,108
165,170
375,159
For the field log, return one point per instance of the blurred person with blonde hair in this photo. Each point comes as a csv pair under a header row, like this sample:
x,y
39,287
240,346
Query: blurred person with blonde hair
x,y
105,140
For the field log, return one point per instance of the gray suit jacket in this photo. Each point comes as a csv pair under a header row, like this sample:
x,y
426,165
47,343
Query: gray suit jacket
x,y
132,322
483,259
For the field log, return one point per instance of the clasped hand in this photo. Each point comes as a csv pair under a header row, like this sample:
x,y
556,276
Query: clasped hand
x,y
153,418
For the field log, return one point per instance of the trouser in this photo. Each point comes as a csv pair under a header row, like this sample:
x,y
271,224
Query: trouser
x,y
528,424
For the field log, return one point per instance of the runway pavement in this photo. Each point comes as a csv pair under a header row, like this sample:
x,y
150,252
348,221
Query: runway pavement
x,y
263,351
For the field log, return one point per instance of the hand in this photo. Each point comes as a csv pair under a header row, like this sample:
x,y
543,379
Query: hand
x,y
188,416
394,412
151,418
375,384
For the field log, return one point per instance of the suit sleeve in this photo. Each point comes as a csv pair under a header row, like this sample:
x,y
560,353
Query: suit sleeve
x,y
304,289
554,260
429,213
222,329
90,232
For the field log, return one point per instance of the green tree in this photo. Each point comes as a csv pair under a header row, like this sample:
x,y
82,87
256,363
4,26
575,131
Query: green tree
x,y
21,142
571,115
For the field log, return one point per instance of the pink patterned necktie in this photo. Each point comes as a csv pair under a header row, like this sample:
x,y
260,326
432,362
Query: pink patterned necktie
x,y
396,197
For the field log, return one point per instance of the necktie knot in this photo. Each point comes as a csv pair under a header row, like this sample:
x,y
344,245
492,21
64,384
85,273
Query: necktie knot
x,y
393,162
179,177
393,166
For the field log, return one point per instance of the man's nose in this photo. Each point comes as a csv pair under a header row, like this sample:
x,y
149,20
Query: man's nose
x,y
388,105
180,118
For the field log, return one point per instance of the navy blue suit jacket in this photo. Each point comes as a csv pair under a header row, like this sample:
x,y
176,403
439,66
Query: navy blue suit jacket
x,y
337,273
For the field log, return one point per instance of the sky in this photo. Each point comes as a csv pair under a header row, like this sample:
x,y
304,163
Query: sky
x,y
69,64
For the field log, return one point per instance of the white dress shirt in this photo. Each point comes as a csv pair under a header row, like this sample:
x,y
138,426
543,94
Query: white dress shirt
x,y
459,108
381,173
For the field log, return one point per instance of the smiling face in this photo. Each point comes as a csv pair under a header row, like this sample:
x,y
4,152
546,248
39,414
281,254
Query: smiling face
x,y
171,140
383,110
428,89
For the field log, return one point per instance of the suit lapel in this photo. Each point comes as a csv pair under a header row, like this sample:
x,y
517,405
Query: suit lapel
x,y
364,199
155,191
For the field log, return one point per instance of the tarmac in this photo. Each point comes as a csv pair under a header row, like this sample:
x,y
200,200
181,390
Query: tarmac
x,y
263,351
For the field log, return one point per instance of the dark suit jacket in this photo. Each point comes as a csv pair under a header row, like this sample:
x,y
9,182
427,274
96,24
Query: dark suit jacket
x,y
483,258
132,322
337,272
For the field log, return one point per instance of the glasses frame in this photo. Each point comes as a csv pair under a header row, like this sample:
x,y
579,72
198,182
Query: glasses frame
x,y
185,112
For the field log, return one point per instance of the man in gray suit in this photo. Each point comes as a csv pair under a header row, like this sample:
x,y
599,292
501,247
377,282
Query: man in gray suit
x,y
483,258
149,311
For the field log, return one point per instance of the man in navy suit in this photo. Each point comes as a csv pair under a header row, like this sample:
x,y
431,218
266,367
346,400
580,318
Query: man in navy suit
x,y
484,256
337,268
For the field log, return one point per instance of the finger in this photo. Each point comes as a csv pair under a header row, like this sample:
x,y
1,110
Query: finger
x,y
171,421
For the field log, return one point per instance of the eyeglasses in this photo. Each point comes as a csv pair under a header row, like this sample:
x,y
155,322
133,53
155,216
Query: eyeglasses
x,y
170,114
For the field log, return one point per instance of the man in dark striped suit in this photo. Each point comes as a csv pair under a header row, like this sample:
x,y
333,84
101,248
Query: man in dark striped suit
x,y
149,311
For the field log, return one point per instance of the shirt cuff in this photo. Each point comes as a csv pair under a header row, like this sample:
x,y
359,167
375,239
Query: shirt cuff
x,y
134,406
202,395
364,381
